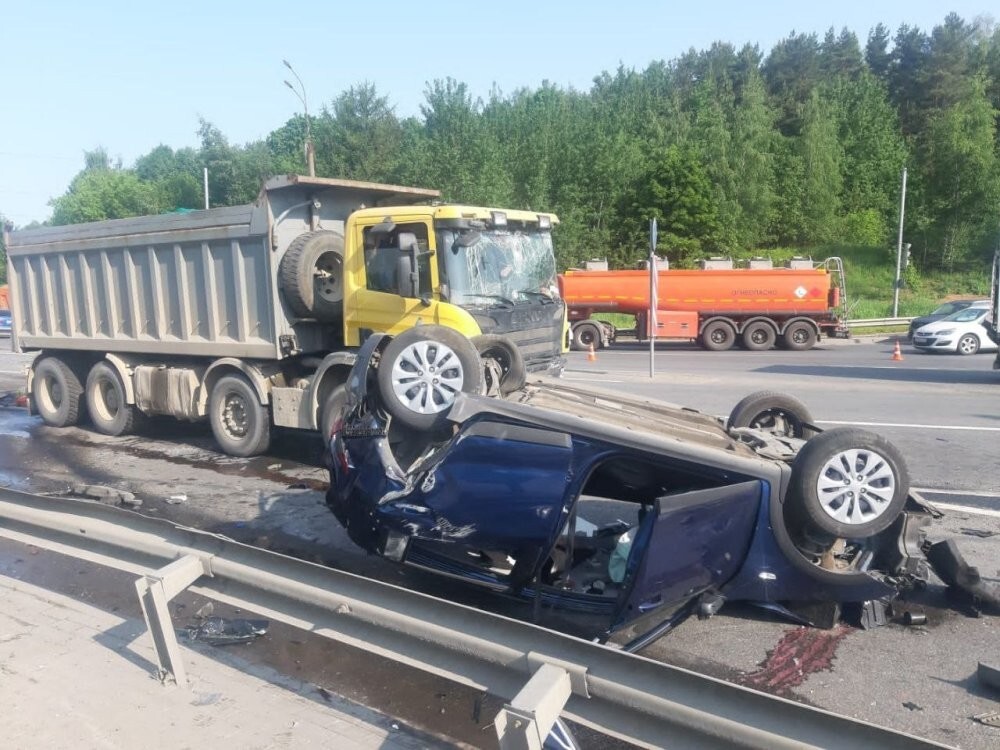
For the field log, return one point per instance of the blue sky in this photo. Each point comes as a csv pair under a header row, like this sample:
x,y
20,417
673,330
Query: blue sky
x,y
131,75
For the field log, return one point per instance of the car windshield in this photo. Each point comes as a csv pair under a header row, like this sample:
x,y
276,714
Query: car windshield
x,y
948,308
968,315
497,266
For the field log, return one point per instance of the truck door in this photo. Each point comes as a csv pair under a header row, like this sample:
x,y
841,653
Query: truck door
x,y
377,304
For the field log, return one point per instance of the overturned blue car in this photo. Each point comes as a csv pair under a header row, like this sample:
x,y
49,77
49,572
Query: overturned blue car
x,y
628,511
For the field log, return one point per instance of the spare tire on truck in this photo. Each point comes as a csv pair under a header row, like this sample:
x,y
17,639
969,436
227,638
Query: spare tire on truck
x,y
422,370
848,483
311,276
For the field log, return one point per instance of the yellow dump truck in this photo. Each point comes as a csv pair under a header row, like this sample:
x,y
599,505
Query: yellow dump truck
x,y
248,316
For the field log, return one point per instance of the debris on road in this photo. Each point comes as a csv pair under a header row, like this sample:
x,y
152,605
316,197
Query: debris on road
x,y
221,631
177,499
15,399
106,495
990,718
981,533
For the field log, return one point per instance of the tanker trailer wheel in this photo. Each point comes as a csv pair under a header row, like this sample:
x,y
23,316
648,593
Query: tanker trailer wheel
x,y
799,336
773,412
759,336
501,351
240,423
106,403
718,336
849,483
311,275
421,372
56,392
586,335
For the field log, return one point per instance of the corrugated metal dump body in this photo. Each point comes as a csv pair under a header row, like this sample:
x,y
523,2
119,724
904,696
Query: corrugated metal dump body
x,y
192,284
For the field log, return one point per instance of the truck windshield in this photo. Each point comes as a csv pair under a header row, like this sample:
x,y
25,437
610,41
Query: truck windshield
x,y
484,268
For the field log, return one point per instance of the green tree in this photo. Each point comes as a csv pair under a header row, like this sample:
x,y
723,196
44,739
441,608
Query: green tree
x,y
98,194
678,194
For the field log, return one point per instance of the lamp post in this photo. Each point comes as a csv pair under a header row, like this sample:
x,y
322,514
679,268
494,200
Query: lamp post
x,y
310,152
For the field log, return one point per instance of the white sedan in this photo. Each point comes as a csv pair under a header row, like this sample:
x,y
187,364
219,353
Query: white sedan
x,y
962,332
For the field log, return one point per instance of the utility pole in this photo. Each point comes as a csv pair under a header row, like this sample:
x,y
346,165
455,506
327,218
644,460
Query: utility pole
x,y
899,249
301,94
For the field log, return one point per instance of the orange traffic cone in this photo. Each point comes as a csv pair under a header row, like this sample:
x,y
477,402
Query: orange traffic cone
x,y
591,355
897,355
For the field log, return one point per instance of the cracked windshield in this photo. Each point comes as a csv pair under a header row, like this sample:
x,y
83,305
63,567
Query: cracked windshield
x,y
506,267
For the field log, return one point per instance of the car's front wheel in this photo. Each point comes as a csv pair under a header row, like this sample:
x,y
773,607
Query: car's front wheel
x,y
849,483
968,344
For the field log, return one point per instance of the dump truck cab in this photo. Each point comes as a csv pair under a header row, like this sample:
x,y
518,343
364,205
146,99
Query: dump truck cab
x,y
476,270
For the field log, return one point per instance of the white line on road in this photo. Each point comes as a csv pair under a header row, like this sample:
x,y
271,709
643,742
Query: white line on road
x,y
966,509
590,379
966,493
912,426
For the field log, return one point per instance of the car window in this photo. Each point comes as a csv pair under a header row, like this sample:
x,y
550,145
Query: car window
x,y
947,309
968,315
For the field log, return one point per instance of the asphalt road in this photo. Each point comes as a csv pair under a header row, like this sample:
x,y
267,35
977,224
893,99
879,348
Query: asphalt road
x,y
943,412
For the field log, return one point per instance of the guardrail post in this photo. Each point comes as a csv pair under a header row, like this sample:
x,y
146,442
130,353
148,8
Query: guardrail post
x,y
155,592
525,722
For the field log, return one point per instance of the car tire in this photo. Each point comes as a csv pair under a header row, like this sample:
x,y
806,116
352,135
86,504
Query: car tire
x,y
240,423
56,392
513,373
107,406
968,344
718,336
422,370
799,336
848,483
586,335
776,413
311,276
759,336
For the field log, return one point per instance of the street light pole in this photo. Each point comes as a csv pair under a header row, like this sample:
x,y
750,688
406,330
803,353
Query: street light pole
x,y
899,249
310,152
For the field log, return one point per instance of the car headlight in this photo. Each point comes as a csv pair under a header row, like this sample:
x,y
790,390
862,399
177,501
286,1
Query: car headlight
x,y
946,332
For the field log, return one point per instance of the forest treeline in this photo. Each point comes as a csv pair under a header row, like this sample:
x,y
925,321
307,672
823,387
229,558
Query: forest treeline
x,y
731,150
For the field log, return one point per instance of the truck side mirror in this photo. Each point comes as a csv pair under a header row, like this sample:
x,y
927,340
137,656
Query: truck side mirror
x,y
405,274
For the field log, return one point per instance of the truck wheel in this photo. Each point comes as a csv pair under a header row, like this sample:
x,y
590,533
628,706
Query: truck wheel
x,y
759,336
422,371
718,336
849,483
106,402
799,336
311,275
56,392
586,335
773,412
240,423
508,357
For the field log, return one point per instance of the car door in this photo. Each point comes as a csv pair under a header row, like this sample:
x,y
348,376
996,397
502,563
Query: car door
x,y
689,543
498,497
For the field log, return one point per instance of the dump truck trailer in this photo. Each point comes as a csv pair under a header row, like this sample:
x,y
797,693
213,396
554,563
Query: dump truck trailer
x,y
717,305
249,316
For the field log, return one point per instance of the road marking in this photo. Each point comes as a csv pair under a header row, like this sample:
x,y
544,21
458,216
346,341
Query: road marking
x,y
913,426
590,379
966,509
966,493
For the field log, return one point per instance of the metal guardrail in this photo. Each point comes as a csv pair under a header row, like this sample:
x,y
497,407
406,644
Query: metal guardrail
x,y
878,322
540,673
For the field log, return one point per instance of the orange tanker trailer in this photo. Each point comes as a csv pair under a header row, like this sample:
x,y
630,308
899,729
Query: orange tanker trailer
x,y
716,305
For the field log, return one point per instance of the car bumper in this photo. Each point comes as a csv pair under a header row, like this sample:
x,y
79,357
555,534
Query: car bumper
x,y
936,343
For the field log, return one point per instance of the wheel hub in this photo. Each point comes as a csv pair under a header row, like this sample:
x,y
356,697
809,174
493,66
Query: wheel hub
x,y
856,486
427,376
234,415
